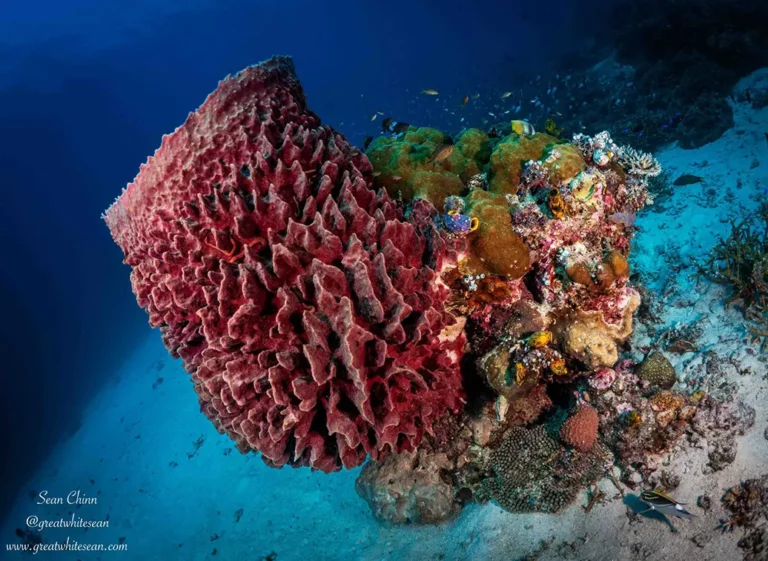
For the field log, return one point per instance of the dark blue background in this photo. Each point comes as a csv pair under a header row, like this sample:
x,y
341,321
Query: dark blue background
x,y
88,88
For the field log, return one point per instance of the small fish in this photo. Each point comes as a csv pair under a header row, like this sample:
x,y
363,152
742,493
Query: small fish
x,y
374,116
441,153
522,127
380,113
540,339
397,177
400,127
558,367
464,100
663,503
430,92
386,124
687,179
505,95
376,173
367,142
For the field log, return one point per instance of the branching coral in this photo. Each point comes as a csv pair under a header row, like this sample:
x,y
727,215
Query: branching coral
x,y
640,164
741,262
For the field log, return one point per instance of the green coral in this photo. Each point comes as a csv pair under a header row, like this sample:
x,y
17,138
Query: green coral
x,y
406,167
494,248
470,155
657,371
563,162
510,155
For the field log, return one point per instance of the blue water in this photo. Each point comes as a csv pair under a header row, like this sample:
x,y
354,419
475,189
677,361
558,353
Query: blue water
x,y
86,93
87,89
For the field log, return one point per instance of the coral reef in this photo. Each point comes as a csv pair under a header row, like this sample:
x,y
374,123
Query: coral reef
x,y
639,422
454,310
306,309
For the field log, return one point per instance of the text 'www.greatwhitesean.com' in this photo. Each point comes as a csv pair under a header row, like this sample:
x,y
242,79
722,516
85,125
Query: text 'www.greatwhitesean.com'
x,y
66,545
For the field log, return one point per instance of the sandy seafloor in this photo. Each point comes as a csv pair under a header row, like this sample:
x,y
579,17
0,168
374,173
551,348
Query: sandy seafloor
x,y
173,488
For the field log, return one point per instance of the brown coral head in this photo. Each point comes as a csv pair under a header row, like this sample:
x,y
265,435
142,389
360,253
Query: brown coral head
x,y
579,273
605,276
666,401
618,264
580,429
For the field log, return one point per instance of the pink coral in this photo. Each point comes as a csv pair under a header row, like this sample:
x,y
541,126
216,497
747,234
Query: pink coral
x,y
580,429
306,309
602,379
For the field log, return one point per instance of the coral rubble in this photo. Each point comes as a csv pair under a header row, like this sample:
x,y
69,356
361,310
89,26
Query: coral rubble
x,y
748,507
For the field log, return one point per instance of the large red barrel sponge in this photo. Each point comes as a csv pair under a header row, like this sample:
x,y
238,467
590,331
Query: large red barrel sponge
x,y
308,311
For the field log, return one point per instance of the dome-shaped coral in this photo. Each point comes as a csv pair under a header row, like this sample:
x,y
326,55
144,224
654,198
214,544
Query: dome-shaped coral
x,y
305,308
580,429
495,248
657,371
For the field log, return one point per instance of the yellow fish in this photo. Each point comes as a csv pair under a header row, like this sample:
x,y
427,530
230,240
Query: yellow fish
x,y
441,153
558,368
540,339
522,128
430,92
